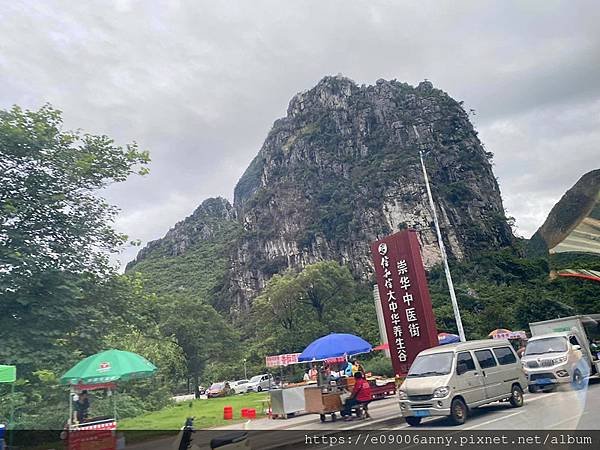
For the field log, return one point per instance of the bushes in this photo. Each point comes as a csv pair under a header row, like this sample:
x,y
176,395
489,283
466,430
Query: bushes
x,y
379,365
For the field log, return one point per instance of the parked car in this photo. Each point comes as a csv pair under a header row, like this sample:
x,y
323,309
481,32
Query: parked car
x,y
221,389
449,380
260,383
239,386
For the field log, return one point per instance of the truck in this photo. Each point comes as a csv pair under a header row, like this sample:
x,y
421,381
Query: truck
x,y
562,351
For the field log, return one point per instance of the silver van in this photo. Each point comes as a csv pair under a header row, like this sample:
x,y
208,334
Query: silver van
x,y
448,380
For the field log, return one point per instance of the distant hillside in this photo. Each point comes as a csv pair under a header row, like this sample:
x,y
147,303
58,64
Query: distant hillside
x,y
339,171
194,256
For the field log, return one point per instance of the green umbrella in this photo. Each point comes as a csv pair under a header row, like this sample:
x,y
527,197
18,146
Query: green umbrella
x,y
110,365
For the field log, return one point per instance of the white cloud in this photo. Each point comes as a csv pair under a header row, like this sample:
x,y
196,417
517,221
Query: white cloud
x,y
200,83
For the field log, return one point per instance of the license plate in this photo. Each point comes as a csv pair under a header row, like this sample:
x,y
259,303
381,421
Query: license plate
x,y
422,413
543,381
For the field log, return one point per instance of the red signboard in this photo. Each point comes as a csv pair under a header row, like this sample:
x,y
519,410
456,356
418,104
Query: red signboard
x,y
282,360
98,437
402,285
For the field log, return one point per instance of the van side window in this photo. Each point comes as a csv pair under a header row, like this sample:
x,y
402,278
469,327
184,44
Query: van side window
x,y
466,359
573,340
485,358
505,355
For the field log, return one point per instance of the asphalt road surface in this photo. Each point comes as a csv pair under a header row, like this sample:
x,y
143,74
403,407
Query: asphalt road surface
x,y
559,410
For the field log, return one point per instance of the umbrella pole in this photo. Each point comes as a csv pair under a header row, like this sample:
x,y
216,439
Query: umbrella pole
x,y
114,402
12,414
70,406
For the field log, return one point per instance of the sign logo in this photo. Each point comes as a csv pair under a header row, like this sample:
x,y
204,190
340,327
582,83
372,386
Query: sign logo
x,y
382,248
104,367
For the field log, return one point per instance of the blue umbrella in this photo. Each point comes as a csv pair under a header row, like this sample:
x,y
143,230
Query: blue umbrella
x,y
447,338
334,345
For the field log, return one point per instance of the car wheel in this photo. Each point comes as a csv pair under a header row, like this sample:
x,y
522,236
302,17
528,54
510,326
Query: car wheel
x,y
413,421
532,389
259,389
578,381
458,411
322,417
516,399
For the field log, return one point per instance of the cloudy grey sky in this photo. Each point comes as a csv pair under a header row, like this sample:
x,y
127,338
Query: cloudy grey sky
x,y
200,83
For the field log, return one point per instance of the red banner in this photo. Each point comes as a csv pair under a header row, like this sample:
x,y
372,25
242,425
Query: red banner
x,y
402,284
94,387
282,360
93,439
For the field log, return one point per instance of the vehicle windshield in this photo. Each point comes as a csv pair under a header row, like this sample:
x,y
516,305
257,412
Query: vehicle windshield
x,y
241,382
431,365
546,345
216,386
255,379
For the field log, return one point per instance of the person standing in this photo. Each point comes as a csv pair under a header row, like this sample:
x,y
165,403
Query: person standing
x,y
355,367
82,405
348,369
306,376
313,373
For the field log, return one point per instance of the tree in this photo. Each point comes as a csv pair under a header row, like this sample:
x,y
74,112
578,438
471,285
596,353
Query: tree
x,y
200,332
51,217
325,285
295,308
57,287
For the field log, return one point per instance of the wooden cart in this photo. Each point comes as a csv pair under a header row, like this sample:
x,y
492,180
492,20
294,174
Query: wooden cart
x,y
323,403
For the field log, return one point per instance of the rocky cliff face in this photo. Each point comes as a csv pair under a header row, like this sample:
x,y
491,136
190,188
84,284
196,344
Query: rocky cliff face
x,y
573,224
206,223
341,170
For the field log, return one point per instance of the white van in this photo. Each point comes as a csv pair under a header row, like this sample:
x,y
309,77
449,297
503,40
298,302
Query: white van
x,y
448,380
560,352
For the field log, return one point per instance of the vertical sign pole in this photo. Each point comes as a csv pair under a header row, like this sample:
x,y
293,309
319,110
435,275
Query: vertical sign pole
x,y
383,336
461,331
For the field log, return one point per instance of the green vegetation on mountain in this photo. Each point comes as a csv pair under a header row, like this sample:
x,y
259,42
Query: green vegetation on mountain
x,y
198,272
342,168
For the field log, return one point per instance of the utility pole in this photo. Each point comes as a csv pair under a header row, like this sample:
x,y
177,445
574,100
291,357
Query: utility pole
x,y
459,325
245,373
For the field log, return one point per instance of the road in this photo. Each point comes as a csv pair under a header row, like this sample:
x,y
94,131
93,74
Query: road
x,y
559,410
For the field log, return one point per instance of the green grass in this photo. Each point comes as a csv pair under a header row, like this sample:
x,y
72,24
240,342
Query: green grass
x,y
208,413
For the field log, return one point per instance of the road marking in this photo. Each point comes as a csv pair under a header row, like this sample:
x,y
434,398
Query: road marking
x,y
577,417
369,422
540,397
493,420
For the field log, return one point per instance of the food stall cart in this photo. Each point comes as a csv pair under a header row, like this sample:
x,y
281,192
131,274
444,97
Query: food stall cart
x,y
286,400
100,372
327,398
324,401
